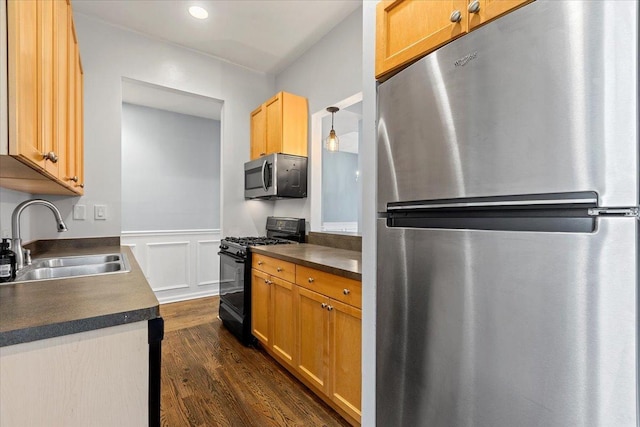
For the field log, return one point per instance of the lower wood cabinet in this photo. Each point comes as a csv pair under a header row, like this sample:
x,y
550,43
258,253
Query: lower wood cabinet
x,y
313,327
272,314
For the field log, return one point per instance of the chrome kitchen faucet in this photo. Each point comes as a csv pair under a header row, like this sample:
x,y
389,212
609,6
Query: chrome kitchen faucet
x,y
16,241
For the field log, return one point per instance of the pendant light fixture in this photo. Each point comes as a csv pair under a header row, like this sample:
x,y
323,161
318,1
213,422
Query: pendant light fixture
x,y
332,142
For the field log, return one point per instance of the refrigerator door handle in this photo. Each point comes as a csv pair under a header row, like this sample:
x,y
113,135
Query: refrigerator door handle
x,y
590,200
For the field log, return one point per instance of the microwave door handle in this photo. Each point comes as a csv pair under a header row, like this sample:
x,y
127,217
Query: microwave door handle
x,y
264,182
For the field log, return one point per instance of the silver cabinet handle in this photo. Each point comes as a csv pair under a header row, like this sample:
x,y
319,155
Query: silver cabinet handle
x,y
51,156
456,16
279,269
266,281
346,291
311,280
260,262
329,307
474,6
269,282
323,305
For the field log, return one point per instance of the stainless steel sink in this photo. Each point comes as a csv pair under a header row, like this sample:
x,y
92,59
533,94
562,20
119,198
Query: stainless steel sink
x,y
74,266
76,260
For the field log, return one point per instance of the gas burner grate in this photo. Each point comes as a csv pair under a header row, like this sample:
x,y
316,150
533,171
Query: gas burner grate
x,y
257,241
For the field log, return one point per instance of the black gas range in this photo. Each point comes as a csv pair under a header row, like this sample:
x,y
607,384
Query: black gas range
x,y
235,272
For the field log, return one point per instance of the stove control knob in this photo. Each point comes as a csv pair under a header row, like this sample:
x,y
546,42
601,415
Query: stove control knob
x,y
224,247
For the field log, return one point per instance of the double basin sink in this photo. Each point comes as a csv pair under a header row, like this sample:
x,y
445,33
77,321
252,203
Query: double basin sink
x,y
74,266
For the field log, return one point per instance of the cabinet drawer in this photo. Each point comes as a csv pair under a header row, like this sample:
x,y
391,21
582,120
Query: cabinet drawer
x,y
275,267
339,288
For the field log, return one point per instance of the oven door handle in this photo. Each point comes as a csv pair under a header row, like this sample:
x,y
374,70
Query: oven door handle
x,y
238,259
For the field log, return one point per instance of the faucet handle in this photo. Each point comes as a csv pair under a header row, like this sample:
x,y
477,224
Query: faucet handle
x,y
27,256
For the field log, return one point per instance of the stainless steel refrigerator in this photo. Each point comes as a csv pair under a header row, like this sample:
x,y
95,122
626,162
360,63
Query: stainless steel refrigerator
x,y
507,278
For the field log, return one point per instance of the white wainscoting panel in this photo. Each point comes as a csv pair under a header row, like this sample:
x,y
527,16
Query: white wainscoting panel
x,y
179,265
207,262
168,265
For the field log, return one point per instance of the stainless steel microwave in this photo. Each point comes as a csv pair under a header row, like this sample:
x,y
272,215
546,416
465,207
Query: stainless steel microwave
x,y
276,176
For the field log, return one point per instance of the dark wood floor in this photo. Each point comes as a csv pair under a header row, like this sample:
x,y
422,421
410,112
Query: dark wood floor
x,y
210,379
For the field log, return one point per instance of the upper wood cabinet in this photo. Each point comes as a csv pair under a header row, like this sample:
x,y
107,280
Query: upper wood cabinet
x,y
280,126
409,29
45,99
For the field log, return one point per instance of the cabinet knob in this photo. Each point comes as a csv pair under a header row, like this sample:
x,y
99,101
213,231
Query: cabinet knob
x,y
263,154
74,178
323,305
456,16
81,185
51,156
266,281
311,280
346,291
329,307
279,269
474,6
260,262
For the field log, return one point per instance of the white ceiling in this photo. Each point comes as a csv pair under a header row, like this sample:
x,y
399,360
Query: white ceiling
x,y
263,35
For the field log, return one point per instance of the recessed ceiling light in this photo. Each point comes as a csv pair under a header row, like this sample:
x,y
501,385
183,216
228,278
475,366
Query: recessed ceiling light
x,y
198,12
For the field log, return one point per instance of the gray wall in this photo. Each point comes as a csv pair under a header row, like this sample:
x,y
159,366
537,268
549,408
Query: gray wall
x,y
170,170
339,187
327,73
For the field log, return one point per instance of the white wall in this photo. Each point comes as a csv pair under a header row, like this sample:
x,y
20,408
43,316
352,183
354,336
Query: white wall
x,y
110,53
170,170
368,226
327,73
9,199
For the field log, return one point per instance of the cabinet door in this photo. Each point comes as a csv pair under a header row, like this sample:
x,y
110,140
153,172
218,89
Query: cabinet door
x,y
274,124
295,124
79,124
345,324
491,9
258,133
24,138
407,29
282,317
61,87
74,152
313,338
49,143
260,301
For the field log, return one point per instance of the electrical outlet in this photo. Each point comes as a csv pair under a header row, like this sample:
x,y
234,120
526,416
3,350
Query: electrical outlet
x,y
80,212
100,212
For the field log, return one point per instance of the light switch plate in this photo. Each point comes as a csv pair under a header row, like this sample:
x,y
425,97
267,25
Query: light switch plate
x,y
100,212
80,212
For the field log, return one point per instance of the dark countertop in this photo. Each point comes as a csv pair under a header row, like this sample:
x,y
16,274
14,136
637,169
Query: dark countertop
x,y
38,310
341,262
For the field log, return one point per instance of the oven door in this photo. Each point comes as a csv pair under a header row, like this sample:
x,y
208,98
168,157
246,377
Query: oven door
x,y
232,282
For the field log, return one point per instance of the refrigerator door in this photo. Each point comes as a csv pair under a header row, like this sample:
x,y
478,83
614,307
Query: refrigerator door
x,y
503,328
542,100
